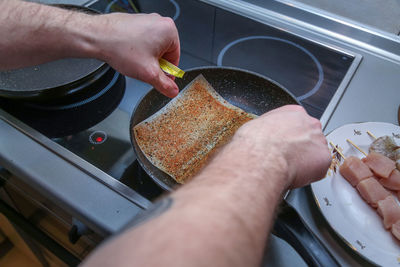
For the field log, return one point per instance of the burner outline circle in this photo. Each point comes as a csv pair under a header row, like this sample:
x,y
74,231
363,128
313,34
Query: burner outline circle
x,y
177,8
176,15
319,67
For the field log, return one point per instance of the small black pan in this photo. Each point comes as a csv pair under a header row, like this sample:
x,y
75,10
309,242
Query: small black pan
x,y
253,93
60,79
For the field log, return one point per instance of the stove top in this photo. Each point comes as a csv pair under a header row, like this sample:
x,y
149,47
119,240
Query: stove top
x,y
69,114
313,72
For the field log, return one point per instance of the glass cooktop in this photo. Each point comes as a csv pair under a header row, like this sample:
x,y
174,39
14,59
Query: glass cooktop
x,y
212,36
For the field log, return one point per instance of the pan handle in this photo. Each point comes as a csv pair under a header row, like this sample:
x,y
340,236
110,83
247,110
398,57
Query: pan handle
x,y
291,228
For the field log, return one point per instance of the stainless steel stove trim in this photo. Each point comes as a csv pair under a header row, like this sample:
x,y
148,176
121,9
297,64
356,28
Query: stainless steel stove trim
x,y
83,165
303,23
21,165
340,19
89,3
339,92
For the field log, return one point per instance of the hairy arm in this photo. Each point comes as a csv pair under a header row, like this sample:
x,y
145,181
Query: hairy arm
x,y
224,215
132,44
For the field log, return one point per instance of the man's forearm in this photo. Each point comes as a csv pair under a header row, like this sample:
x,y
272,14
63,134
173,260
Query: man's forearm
x,y
221,218
243,195
33,34
132,44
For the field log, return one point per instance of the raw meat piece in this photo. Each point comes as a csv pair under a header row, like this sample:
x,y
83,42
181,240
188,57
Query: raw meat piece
x,y
354,171
393,182
379,164
385,145
396,230
389,209
372,191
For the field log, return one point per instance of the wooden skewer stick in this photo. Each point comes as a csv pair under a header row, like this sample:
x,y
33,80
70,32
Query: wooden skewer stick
x,y
338,151
359,149
370,134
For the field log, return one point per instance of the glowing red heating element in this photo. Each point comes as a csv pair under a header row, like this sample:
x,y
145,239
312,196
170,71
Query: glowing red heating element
x,y
97,137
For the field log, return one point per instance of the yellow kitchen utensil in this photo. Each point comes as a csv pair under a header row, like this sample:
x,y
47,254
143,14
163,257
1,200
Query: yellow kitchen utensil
x,y
170,68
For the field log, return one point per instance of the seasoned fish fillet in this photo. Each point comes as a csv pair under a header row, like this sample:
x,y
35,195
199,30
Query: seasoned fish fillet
x,y
180,137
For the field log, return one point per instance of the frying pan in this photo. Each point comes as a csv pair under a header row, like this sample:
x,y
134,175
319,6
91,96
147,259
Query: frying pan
x,y
256,94
60,79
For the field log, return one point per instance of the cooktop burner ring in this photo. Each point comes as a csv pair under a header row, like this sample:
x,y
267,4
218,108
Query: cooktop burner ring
x,y
313,58
176,5
177,10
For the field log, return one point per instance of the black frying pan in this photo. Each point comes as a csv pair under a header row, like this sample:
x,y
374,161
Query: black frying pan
x,y
247,90
53,80
253,93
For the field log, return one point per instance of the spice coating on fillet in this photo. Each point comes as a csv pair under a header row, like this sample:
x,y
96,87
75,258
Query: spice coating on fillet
x,y
180,137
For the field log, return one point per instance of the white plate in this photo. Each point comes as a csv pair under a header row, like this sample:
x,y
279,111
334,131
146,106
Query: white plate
x,y
344,209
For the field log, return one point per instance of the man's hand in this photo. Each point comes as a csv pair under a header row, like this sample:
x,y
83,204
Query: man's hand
x,y
132,44
291,135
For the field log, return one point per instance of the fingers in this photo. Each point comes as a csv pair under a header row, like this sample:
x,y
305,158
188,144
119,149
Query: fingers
x,y
171,52
323,149
326,160
162,83
286,108
316,123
